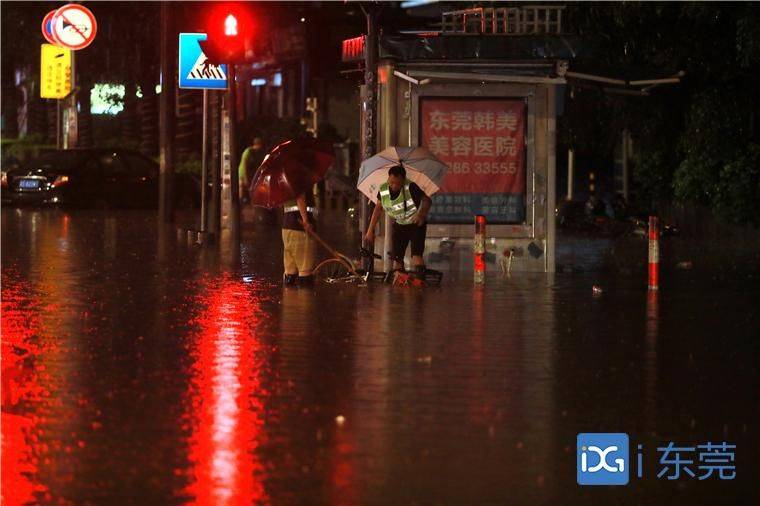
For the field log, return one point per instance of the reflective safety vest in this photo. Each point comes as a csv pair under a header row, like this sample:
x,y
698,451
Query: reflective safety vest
x,y
291,206
402,208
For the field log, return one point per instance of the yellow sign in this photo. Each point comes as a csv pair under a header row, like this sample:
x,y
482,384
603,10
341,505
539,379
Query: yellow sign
x,y
55,71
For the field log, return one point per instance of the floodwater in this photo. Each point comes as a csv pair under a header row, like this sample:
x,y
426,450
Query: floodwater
x,y
139,370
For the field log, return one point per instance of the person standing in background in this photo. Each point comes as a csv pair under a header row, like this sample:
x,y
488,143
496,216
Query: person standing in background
x,y
249,162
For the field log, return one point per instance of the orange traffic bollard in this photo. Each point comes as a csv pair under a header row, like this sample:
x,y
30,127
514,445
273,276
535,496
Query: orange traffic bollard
x,y
480,248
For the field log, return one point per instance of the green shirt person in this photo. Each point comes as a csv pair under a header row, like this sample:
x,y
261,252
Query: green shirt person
x,y
249,162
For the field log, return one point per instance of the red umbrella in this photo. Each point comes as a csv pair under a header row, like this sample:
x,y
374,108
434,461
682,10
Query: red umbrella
x,y
290,169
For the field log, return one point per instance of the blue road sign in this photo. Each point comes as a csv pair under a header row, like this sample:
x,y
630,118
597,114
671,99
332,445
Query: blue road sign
x,y
194,70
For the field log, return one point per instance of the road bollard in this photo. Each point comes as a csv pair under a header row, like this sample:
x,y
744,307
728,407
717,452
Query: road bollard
x,y
654,253
480,248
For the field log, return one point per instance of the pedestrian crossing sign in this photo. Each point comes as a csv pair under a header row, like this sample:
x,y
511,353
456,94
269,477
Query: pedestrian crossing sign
x,y
195,72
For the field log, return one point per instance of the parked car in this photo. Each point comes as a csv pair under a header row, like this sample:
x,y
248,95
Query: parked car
x,y
93,178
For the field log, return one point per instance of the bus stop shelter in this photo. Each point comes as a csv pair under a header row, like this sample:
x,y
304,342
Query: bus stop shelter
x,y
483,94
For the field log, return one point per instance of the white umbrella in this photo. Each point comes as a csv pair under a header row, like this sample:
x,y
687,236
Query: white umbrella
x,y
422,168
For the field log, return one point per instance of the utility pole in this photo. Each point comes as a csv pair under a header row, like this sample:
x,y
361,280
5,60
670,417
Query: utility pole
x,y
369,108
166,117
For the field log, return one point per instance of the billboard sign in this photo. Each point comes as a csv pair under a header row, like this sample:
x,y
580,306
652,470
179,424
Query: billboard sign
x,y
483,143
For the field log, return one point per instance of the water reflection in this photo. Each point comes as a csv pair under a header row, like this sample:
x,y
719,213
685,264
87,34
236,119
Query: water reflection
x,y
315,359
174,378
20,326
37,363
227,397
650,355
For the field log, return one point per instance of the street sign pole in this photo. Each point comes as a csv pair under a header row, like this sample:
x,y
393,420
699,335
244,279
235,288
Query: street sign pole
x,y
58,124
215,124
72,27
195,72
72,128
204,162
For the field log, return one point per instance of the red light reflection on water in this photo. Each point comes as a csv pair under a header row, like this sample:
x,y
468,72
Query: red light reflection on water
x,y
19,325
227,401
343,475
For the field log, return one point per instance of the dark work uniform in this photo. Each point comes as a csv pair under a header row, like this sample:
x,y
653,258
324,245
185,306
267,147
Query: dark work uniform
x,y
292,220
405,234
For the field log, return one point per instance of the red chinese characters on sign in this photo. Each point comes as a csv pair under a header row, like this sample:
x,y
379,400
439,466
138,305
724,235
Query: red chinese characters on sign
x,y
482,142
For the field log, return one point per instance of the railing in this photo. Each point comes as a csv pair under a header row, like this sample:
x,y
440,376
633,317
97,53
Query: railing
x,y
526,20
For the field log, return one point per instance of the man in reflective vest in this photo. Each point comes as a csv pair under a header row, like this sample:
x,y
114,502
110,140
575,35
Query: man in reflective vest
x,y
408,205
299,249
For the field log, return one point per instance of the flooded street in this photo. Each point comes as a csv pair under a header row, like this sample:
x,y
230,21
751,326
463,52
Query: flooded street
x,y
140,370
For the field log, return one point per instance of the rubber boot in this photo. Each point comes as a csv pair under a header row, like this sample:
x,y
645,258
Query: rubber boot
x,y
306,280
290,280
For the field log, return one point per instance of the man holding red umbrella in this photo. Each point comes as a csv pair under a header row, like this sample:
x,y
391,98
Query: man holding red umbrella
x,y
286,178
299,249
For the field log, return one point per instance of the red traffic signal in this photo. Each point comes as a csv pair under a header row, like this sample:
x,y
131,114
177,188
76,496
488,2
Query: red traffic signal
x,y
229,30
230,26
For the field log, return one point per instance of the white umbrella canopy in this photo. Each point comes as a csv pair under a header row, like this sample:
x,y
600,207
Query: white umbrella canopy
x,y
422,168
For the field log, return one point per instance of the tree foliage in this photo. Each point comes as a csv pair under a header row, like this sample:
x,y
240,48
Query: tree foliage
x,y
737,192
695,141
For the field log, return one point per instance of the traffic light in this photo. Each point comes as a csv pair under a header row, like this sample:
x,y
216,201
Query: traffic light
x,y
229,35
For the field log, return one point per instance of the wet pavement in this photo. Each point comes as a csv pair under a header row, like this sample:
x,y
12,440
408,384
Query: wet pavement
x,y
138,370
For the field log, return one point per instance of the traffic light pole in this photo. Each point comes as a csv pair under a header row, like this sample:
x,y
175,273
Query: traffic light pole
x,y
224,47
230,183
